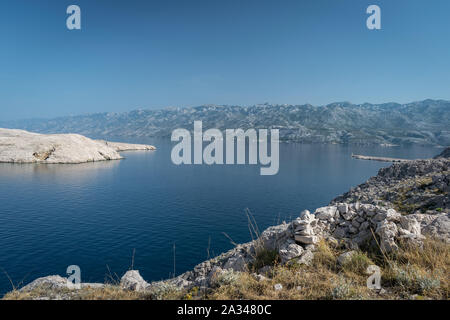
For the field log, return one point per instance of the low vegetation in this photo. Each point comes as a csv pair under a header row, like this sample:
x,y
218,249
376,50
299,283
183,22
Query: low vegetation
x,y
410,273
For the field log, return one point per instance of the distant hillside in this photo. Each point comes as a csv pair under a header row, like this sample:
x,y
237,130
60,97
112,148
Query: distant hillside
x,y
443,154
424,123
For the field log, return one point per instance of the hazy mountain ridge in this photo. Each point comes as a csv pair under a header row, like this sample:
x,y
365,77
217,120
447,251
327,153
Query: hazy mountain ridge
x,y
425,122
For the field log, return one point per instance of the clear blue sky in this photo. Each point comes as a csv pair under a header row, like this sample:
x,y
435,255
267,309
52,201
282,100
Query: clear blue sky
x,y
150,54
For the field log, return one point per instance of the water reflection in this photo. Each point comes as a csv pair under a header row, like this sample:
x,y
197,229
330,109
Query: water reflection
x,y
65,172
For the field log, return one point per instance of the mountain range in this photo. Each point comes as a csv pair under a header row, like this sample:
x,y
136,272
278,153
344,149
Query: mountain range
x,y
423,123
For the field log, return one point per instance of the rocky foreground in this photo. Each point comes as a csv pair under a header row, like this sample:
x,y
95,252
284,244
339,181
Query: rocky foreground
x,y
333,244
18,146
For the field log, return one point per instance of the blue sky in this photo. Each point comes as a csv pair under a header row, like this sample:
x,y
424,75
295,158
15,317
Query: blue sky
x,y
152,54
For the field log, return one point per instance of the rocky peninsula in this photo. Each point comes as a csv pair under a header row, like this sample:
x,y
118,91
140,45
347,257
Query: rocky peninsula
x,y
397,222
19,146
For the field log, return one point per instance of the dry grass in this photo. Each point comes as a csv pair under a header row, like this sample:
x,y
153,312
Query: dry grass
x,y
108,292
420,271
411,273
321,280
105,293
264,258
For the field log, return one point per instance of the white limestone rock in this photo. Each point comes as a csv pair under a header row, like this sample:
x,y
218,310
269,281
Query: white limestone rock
x,y
305,230
325,213
236,263
278,287
387,231
49,283
389,215
306,217
343,208
274,237
132,280
349,215
290,252
410,224
439,228
19,146
306,258
307,239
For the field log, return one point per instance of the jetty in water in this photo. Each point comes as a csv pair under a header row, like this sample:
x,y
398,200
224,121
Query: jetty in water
x,y
384,159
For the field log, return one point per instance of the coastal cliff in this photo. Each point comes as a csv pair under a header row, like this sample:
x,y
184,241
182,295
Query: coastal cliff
x,y
18,146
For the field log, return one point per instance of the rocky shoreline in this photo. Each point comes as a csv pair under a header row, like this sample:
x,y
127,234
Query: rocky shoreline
x,y
367,216
18,146
419,186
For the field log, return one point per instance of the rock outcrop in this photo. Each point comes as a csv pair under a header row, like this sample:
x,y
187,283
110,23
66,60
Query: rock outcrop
x,y
132,280
420,186
18,146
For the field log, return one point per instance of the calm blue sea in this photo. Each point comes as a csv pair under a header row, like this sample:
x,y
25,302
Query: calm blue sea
x,y
95,215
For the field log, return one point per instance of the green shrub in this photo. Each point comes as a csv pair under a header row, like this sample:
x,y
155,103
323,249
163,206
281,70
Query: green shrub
x,y
411,280
341,290
225,278
264,257
358,263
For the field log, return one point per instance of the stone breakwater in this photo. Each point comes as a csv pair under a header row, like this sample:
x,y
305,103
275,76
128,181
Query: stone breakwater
x,y
382,159
18,146
350,224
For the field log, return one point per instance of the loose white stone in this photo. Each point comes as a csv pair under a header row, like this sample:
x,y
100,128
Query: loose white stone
x,y
290,252
307,239
278,287
325,213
